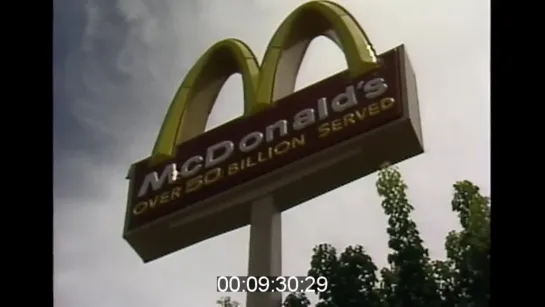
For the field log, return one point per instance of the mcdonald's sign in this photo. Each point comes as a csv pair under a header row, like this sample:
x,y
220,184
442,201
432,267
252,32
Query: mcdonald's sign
x,y
291,145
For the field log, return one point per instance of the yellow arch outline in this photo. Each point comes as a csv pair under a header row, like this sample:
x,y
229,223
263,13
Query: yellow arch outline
x,y
260,86
237,57
357,48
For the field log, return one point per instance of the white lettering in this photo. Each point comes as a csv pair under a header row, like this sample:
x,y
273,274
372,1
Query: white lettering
x,y
281,125
221,151
256,139
156,182
373,88
303,119
344,100
323,112
211,160
187,171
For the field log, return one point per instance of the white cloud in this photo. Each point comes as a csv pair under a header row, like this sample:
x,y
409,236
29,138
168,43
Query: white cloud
x,y
131,59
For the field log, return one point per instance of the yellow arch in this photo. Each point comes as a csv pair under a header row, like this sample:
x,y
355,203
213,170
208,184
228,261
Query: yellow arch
x,y
275,79
199,90
288,46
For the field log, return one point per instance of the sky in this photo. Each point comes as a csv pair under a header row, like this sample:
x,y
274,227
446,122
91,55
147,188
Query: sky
x,y
117,65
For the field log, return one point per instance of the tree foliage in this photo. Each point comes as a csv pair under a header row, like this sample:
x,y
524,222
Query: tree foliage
x,y
226,301
411,278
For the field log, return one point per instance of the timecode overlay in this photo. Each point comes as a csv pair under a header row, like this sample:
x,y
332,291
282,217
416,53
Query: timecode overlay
x,y
271,284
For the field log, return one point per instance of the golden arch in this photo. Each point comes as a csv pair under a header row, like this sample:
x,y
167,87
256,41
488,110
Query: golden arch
x,y
262,87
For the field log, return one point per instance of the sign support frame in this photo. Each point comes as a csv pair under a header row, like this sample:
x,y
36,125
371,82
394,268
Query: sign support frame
x,y
265,249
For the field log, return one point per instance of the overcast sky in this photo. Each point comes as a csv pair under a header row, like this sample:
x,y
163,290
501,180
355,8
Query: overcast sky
x,y
117,65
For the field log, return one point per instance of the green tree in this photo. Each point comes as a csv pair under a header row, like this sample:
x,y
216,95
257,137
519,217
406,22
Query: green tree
x,y
464,278
411,278
226,301
296,300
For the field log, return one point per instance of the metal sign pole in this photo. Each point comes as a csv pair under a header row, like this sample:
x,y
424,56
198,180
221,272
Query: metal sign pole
x,y
265,254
